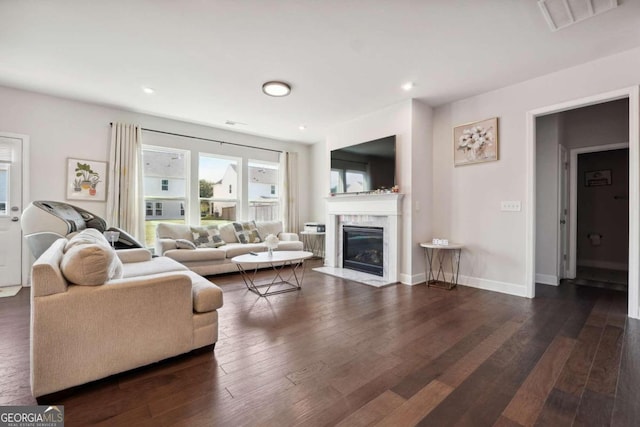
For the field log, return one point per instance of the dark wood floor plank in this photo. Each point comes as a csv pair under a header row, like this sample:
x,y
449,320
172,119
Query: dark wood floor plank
x,y
337,352
626,408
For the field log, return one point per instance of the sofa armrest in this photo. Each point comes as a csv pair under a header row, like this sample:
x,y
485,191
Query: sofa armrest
x,y
165,244
288,237
133,255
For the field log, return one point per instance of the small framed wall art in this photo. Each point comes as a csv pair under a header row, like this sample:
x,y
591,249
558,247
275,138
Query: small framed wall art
x,y
475,142
597,178
86,180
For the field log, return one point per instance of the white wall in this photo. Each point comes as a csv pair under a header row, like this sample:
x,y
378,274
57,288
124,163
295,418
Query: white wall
x,y
467,199
61,128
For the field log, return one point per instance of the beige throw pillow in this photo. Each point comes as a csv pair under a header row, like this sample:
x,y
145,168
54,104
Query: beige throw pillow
x,y
90,264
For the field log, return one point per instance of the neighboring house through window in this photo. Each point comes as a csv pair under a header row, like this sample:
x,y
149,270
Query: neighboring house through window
x,y
165,185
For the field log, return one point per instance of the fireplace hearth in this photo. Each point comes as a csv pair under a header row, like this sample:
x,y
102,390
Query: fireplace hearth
x,y
363,249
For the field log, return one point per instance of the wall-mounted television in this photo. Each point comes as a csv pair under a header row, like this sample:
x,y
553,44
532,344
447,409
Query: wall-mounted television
x,y
364,167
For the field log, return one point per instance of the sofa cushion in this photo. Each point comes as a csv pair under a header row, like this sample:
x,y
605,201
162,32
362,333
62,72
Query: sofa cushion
x,y
206,295
154,266
247,232
228,233
269,227
236,249
90,264
167,230
207,237
185,244
201,254
290,245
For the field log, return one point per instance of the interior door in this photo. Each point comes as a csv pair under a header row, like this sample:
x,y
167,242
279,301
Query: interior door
x,y
10,211
563,264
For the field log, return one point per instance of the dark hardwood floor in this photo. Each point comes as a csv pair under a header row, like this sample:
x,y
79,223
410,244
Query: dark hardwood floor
x,y
342,353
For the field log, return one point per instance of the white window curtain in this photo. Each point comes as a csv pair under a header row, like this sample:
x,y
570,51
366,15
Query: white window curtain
x,y
125,204
289,168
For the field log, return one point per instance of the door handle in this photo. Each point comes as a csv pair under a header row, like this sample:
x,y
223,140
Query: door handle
x,y
563,222
15,219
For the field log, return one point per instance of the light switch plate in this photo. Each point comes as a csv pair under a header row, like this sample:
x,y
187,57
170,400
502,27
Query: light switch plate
x,y
510,206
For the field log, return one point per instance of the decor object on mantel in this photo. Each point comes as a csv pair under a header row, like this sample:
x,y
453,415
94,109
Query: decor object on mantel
x,y
475,142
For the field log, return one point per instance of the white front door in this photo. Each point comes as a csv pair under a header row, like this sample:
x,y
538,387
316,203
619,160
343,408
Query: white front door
x,y
10,210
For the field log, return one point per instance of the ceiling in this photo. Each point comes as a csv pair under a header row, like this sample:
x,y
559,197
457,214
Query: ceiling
x,y
207,60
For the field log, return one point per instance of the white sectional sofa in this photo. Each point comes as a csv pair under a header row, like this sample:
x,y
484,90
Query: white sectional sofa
x,y
209,261
96,312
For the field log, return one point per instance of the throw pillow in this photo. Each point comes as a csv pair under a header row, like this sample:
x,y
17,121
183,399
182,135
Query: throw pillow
x,y
207,237
247,232
90,265
185,244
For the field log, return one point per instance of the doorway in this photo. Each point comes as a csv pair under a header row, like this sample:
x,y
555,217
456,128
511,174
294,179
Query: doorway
x,y
13,256
632,96
600,217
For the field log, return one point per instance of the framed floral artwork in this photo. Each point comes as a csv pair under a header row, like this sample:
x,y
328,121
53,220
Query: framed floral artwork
x,y
86,180
475,142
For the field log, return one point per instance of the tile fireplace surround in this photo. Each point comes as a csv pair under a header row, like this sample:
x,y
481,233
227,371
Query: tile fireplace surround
x,y
364,210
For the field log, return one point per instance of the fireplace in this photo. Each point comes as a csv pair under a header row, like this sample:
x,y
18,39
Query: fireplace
x,y
363,249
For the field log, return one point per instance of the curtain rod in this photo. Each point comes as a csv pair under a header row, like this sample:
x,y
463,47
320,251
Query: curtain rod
x,y
210,140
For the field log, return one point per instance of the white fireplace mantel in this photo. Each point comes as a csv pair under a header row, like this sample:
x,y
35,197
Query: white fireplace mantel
x,y
365,204
365,209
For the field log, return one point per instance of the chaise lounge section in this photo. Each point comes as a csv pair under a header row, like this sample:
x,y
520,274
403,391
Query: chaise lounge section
x,y
96,312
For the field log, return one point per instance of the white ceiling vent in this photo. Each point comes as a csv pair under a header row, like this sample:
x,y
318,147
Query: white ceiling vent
x,y
562,13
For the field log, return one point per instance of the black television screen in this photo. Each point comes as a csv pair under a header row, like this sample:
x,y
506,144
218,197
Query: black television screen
x,y
364,167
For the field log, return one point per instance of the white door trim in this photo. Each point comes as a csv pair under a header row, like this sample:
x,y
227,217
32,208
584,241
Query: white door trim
x,y
573,197
633,93
26,255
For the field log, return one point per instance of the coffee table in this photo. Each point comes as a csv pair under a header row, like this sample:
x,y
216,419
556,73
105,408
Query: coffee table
x,y
248,265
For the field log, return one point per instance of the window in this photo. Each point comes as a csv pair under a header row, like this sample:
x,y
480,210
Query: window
x,y
218,177
163,202
264,197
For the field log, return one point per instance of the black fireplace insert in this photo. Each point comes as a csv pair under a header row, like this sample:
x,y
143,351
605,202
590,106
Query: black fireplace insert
x,y
363,249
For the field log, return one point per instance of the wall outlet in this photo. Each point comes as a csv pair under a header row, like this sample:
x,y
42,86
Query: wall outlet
x,y
510,206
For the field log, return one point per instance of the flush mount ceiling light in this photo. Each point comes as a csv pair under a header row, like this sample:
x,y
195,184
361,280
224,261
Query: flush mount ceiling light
x,y
562,13
148,90
276,88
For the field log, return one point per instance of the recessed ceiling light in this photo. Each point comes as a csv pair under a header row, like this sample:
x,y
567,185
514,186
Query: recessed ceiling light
x,y
148,90
302,127
276,88
408,86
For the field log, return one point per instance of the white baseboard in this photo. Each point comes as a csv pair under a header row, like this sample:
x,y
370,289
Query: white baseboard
x,y
603,264
493,285
547,279
407,279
